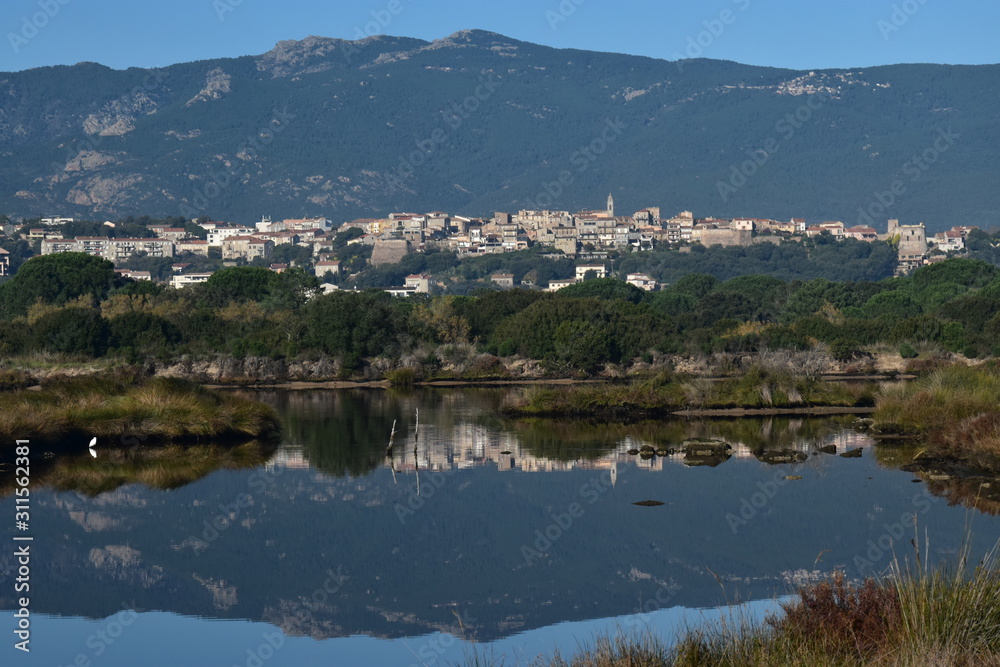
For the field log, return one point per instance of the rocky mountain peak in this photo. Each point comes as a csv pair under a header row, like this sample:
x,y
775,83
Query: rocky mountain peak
x,y
311,54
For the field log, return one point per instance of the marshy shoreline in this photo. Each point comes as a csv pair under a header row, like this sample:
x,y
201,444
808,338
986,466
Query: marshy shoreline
x,y
122,408
908,617
759,391
911,616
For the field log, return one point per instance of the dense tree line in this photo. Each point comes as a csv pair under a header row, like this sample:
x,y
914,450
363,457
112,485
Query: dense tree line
x,y
820,257
74,304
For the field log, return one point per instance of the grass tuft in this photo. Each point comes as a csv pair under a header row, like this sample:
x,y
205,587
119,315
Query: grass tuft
x,y
913,616
956,409
119,407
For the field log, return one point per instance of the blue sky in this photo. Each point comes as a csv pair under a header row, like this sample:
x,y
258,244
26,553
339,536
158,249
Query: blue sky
x,y
786,33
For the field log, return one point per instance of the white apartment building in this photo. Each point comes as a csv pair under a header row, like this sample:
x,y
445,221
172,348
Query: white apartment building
x,y
185,279
599,269
114,250
219,234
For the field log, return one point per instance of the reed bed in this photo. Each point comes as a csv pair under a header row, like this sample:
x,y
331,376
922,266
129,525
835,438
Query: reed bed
x,y
956,409
116,407
758,388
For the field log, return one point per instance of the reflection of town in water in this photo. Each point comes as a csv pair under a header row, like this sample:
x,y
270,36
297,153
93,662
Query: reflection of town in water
x,y
446,439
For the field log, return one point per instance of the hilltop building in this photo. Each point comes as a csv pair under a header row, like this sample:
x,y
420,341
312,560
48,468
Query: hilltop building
x,y
912,245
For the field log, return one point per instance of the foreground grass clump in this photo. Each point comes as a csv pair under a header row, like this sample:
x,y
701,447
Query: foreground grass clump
x,y
758,388
941,617
121,406
12,380
638,651
957,409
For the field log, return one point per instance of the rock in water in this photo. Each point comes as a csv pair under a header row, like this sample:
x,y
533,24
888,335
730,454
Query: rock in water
x,y
775,457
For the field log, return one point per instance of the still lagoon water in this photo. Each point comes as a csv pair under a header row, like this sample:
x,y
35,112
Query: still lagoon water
x,y
477,536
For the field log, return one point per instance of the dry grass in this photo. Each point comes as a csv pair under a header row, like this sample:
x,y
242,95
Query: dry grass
x,y
114,407
638,651
757,388
957,409
948,616
594,400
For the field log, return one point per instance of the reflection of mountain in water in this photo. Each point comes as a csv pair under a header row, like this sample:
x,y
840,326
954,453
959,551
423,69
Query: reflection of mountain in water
x,y
346,546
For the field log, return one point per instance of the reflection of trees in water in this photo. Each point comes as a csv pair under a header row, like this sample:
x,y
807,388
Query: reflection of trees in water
x,y
895,455
345,432
775,433
158,467
981,493
965,485
570,440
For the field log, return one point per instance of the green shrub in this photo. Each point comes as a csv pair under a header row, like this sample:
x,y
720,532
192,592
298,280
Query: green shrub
x,y
844,350
403,377
72,331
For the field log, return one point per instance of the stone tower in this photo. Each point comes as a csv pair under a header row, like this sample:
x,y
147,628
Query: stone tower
x,y
611,205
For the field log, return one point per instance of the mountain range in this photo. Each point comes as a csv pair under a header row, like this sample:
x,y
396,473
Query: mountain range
x,y
478,122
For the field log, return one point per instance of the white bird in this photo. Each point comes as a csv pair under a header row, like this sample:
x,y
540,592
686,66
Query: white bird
x,y
93,441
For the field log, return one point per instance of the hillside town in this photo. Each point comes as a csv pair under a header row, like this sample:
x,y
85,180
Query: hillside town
x,y
588,237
